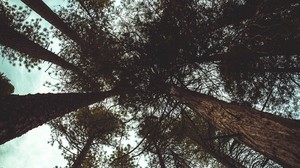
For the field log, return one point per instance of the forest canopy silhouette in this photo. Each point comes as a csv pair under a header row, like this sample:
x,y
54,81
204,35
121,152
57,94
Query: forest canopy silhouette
x,y
201,83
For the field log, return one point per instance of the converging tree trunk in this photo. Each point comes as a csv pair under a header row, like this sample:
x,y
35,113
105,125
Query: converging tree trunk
x,y
276,137
13,39
43,10
222,158
159,155
82,154
19,114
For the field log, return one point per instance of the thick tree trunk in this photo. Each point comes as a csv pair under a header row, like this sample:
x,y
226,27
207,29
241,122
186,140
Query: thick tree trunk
x,y
13,39
276,137
81,156
43,10
19,114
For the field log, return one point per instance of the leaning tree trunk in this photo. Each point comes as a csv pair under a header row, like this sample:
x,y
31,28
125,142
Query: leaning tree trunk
x,y
43,10
82,154
221,157
19,114
13,39
276,137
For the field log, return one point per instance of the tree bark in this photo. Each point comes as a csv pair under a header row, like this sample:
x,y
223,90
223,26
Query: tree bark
x,y
276,137
81,156
13,39
19,114
43,10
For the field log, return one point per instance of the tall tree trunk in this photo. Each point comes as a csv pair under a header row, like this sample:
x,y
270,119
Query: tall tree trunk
x,y
82,154
179,161
13,39
43,10
222,158
159,155
19,114
276,137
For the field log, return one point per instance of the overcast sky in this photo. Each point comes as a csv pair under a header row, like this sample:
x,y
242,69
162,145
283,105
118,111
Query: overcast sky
x,y
30,150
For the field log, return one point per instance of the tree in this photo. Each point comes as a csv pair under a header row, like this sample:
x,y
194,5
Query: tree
x,y
166,144
120,159
162,48
6,87
20,114
19,42
85,131
220,146
43,10
274,136
173,44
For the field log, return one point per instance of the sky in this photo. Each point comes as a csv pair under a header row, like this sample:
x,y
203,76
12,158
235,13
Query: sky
x,y
31,150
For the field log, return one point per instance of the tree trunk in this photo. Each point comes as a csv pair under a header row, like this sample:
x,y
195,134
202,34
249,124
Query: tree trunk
x,y
43,10
276,137
159,155
81,156
13,39
179,161
222,158
19,114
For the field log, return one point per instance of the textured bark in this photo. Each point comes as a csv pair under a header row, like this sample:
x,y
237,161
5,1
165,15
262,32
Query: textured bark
x,y
19,114
13,39
43,10
275,137
81,156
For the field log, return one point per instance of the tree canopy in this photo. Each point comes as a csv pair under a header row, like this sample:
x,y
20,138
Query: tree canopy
x,y
245,53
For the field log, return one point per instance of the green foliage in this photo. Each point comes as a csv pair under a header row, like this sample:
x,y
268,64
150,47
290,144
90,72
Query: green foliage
x,y
6,88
